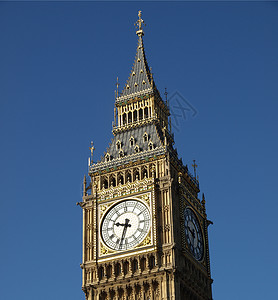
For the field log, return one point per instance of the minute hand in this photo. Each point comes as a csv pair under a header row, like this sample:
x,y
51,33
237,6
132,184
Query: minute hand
x,y
124,232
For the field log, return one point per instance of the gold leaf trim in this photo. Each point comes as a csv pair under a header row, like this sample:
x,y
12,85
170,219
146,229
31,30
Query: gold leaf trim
x,y
104,250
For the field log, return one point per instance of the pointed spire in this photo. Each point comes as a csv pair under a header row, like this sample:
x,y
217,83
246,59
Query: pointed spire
x,y
203,200
166,97
140,81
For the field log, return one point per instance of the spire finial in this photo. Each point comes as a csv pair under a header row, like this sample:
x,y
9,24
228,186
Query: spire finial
x,y
92,148
117,85
166,93
194,166
139,23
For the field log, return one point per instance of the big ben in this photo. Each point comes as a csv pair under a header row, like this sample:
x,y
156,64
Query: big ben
x,y
145,231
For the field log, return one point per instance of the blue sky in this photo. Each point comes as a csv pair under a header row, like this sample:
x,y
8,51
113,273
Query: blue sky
x,y
59,62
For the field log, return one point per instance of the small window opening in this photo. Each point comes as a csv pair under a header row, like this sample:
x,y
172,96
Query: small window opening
x,y
131,140
118,144
136,149
145,137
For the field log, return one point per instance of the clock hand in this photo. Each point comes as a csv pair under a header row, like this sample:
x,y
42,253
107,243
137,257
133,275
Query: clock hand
x,y
192,232
123,224
124,232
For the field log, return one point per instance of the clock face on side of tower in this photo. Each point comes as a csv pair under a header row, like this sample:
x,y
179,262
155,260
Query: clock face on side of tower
x,y
193,234
125,225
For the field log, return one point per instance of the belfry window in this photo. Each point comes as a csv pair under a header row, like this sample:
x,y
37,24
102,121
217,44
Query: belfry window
x,y
135,116
146,112
129,117
124,118
140,114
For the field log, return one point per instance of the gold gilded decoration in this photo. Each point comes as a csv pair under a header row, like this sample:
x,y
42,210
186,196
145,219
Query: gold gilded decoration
x,y
103,208
139,24
146,198
92,148
194,165
89,245
147,241
104,250
89,226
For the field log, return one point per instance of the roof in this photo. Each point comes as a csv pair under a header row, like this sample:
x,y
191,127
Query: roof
x,y
140,79
131,145
141,136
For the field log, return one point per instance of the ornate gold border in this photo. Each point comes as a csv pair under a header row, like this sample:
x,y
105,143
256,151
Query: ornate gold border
x,y
103,208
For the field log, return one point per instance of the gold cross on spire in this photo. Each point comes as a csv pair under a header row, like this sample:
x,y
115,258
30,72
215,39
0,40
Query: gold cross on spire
x,y
194,166
139,23
92,148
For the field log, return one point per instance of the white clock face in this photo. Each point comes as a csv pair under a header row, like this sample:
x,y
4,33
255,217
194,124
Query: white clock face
x,y
193,234
125,225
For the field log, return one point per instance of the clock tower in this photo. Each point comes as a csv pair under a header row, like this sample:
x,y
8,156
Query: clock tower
x,y
144,228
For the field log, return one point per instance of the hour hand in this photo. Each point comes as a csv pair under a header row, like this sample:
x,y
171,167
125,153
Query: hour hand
x,y
192,232
119,224
123,224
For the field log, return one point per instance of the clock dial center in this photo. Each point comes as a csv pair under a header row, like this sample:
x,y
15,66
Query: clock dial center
x,y
131,226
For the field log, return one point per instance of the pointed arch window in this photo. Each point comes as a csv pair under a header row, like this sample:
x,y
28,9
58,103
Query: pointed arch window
x,y
145,137
140,114
120,179
131,141
118,144
146,112
107,157
128,176
145,172
121,153
129,117
136,149
151,147
135,116
112,181
136,175
124,118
